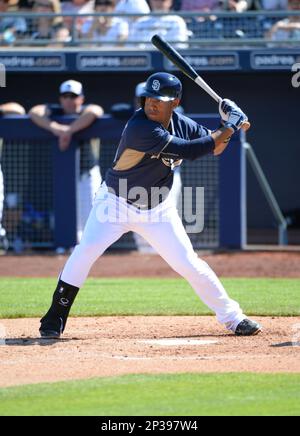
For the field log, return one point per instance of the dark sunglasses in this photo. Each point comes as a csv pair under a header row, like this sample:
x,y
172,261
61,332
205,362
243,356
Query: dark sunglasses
x,y
104,3
69,95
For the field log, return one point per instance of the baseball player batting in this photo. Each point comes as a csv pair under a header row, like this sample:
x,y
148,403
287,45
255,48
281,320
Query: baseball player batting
x,y
134,197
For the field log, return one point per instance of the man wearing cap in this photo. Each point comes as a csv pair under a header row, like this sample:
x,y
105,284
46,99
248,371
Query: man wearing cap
x,y
71,102
135,197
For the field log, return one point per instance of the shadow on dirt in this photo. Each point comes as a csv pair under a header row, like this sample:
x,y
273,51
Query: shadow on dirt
x,y
26,342
286,344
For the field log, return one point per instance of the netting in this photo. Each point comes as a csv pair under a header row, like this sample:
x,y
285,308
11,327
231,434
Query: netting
x,y
28,213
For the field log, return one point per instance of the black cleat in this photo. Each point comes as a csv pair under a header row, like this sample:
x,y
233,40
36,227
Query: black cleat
x,y
49,334
248,328
51,328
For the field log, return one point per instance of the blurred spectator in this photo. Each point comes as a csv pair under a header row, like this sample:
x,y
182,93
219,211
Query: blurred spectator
x,y
237,5
61,36
207,22
11,28
213,5
26,5
200,5
77,7
6,109
132,7
170,26
288,28
105,29
71,102
49,28
271,5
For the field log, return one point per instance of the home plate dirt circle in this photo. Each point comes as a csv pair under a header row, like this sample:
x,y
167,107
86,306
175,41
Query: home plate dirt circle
x,y
119,345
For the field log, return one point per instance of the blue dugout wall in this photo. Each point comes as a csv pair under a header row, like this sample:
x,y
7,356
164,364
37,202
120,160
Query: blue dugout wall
x,y
227,173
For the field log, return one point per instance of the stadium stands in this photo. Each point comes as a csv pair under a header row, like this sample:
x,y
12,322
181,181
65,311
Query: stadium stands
x,y
51,23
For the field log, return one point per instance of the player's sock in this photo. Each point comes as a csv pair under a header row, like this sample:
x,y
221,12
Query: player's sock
x,y
63,298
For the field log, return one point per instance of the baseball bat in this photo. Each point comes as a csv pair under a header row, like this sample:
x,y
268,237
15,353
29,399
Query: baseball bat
x,y
164,47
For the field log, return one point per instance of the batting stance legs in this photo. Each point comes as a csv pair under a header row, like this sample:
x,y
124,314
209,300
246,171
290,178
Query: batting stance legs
x,y
170,240
110,218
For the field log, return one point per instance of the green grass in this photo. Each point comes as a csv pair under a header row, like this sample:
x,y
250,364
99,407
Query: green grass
x,y
163,395
31,297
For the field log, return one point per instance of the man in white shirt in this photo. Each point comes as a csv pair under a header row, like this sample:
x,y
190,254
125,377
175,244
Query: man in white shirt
x,y
132,7
171,27
103,28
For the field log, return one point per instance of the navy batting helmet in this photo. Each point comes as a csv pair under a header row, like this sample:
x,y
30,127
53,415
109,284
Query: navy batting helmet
x,y
163,86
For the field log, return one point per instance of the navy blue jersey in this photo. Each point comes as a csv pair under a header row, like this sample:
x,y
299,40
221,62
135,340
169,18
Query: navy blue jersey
x,y
140,158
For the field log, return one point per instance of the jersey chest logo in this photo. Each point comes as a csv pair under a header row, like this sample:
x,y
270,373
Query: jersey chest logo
x,y
172,163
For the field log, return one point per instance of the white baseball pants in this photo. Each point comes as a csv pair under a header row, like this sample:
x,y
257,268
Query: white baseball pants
x,y
174,196
162,228
88,185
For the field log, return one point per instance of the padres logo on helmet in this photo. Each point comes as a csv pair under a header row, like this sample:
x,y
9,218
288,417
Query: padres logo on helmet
x,y
155,85
163,86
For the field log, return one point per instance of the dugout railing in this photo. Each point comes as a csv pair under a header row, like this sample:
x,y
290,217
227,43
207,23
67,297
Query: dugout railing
x,y
204,29
40,206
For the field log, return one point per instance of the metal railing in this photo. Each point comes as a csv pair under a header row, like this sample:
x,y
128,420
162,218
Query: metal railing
x,y
222,29
270,197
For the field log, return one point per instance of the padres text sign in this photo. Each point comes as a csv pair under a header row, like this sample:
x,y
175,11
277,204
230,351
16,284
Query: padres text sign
x,y
278,60
33,62
213,61
115,61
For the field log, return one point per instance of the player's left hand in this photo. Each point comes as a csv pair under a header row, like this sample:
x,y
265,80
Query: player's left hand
x,y
231,115
225,107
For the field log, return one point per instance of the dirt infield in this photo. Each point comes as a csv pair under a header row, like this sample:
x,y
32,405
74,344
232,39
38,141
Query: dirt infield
x,y
110,346
239,264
